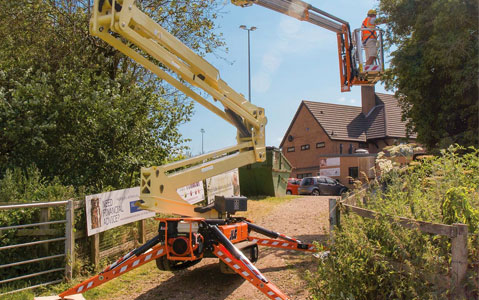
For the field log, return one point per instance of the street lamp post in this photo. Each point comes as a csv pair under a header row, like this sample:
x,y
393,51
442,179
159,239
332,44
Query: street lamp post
x,y
249,60
202,132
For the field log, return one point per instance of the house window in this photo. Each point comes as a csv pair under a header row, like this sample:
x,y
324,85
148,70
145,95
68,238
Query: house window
x,y
303,175
350,151
304,147
340,148
320,145
353,174
290,149
363,145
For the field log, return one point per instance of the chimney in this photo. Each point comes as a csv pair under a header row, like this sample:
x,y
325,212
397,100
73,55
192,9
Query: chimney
x,y
368,98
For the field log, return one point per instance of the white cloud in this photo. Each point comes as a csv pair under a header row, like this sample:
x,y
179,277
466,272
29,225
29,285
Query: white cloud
x,y
342,99
261,82
271,61
289,26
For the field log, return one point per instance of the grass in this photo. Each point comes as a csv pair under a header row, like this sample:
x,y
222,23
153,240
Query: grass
x,y
17,296
257,208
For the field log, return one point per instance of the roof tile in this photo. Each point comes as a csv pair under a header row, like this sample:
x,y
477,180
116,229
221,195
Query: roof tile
x,y
341,122
395,127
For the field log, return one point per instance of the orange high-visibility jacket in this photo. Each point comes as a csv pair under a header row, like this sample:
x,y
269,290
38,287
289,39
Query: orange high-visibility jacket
x,y
368,34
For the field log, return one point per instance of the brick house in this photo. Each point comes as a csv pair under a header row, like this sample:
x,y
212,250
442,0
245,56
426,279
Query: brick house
x,y
325,138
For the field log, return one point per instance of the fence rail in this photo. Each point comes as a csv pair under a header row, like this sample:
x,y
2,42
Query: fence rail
x,y
31,261
68,240
456,232
32,225
35,205
427,227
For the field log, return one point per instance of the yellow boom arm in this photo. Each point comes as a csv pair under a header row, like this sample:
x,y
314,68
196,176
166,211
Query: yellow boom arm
x,y
159,184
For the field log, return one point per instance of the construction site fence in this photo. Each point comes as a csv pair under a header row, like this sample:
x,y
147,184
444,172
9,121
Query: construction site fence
x,y
54,224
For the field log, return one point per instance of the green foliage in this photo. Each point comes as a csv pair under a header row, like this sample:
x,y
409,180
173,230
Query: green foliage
x,y
434,67
30,186
377,259
457,207
77,108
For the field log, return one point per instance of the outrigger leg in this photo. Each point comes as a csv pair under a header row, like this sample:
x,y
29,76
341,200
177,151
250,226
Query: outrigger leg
x,y
132,260
278,240
239,263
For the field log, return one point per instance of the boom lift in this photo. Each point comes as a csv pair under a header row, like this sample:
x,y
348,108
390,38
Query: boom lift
x,y
201,232
210,231
352,67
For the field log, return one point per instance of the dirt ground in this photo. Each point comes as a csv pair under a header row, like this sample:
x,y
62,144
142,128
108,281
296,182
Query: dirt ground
x,y
303,218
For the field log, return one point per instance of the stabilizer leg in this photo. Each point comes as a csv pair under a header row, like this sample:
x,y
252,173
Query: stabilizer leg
x,y
278,240
128,262
239,263
277,243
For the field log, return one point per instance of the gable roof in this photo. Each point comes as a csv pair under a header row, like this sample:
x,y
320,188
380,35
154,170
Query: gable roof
x,y
394,126
348,123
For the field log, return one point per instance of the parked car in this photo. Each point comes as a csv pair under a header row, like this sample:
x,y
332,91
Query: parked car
x,y
321,185
293,185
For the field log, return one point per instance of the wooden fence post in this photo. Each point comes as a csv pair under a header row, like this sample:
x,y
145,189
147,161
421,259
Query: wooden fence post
x,y
459,261
45,217
142,231
333,220
95,250
70,239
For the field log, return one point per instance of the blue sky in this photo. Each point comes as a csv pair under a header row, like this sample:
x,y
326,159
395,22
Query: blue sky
x,y
291,61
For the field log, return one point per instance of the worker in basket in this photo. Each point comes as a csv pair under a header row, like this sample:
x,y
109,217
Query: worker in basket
x,y
370,37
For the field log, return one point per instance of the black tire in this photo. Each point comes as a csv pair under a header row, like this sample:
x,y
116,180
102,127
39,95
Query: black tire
x,y
315,192
342,191
164,264
288,192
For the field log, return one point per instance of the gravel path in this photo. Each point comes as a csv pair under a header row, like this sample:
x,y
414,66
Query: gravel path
x,y
303,218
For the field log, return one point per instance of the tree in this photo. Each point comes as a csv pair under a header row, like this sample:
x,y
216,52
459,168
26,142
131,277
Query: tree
x,y
78,109
435,67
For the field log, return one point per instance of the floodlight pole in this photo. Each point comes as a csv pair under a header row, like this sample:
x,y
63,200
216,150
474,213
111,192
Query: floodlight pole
x,y
249,57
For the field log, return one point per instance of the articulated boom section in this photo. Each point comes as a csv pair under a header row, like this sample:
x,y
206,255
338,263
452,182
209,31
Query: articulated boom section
x,y
159,184
352,70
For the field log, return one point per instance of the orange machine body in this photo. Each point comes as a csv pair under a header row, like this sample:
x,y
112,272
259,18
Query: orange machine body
x,y
237,232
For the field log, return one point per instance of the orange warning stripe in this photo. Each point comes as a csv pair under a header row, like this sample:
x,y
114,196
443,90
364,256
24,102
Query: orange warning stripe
x,y
132,263
282,244
249,272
